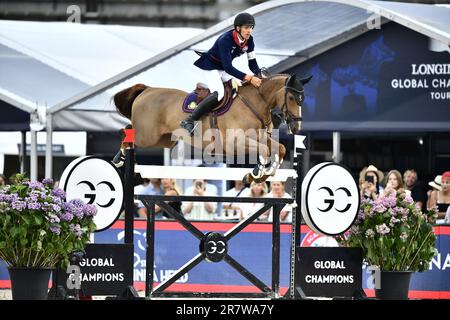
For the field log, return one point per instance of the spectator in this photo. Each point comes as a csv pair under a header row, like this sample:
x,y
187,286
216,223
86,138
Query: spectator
x,y
176,205
441,198
370,182
411,184
257,190
232,210
200,210
169,184
394,184
148,187
437,185
278,191
3,180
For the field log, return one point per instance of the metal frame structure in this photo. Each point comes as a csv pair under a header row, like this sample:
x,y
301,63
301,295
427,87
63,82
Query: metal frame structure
x,y
276,203
266,291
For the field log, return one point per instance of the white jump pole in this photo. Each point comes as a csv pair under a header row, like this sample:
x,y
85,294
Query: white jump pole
x,y
207,173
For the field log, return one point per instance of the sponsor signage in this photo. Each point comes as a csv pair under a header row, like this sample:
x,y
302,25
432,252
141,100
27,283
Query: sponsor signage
x,y
106,269
97,182
330,199
329,272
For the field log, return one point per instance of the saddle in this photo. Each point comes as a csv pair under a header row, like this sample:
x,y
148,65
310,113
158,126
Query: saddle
x,y
192,100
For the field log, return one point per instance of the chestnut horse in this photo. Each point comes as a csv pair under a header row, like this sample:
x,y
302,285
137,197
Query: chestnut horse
x,y
155,114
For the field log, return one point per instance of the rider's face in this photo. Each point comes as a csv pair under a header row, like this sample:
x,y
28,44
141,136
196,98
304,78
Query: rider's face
x,y
245,30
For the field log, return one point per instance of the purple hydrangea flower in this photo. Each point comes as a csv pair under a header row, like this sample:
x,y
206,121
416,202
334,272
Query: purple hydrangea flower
x,y
48,181
58,192
19,205
388,202
56,200
77,202
408,199
90,210
53,218
78,207
382,229
34,185
34,205
67,216
76,230
47,207
56,208
13,197
379,207
370,233
56,229
68,207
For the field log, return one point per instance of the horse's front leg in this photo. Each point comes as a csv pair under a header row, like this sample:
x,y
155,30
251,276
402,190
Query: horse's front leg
x,y
119,158
260,151
278,151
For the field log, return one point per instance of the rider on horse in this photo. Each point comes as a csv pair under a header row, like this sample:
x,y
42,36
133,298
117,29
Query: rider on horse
x,y
228,46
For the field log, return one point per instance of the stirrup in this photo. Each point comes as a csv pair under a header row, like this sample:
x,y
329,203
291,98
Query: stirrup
x,y
185,124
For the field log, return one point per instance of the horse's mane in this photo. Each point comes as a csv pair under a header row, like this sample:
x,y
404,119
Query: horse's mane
x,y
271,77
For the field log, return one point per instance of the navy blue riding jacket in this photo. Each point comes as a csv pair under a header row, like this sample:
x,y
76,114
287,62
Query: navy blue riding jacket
x,y
225,49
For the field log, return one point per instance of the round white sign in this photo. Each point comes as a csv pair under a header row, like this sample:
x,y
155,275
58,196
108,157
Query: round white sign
x,y
330,199
97,182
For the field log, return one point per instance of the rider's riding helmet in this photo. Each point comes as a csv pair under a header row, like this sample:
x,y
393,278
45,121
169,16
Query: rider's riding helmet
x,y
243,19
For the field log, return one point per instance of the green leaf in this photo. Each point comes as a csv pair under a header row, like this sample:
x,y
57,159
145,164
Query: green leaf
x,y
2,244
23,231
69,247
38,220
14,231
26,219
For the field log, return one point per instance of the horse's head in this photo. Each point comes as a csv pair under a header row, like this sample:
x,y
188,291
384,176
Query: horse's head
x,y
291,98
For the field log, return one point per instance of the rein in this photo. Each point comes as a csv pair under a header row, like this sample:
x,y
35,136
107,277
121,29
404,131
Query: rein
x,y
289,116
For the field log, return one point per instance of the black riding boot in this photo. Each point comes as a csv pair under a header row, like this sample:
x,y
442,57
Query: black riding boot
x,y
203,108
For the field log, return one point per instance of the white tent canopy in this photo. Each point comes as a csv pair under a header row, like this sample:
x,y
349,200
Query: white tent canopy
x,y
44,63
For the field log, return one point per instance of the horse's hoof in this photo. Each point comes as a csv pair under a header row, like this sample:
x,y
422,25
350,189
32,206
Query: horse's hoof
x,y
263,161
248,178
119,159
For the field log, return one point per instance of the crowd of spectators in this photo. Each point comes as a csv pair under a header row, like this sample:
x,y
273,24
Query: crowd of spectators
x,y
373,184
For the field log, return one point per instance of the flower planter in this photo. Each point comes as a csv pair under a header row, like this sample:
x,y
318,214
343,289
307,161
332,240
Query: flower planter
x,y
29,283
394,285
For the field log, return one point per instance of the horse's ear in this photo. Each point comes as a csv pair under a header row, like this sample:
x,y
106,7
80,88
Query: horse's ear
x,y
291,80
305,80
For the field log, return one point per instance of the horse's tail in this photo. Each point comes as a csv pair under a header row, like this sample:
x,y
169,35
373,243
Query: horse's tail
x,y
124,99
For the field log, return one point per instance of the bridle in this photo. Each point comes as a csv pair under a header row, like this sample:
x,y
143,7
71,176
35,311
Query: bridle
x,y
288,115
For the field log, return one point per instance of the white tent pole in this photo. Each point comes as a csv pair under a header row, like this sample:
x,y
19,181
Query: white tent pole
x,y
337,147
49,148
33,156
23,151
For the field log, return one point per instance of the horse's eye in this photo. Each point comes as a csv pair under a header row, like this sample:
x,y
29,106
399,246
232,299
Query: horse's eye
x,y
291,98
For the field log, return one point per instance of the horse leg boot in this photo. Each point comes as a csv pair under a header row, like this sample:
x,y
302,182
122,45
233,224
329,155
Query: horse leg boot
x,y
203,108
119,158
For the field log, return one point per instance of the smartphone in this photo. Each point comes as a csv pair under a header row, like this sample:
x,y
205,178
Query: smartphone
x,y
369,179
199,185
